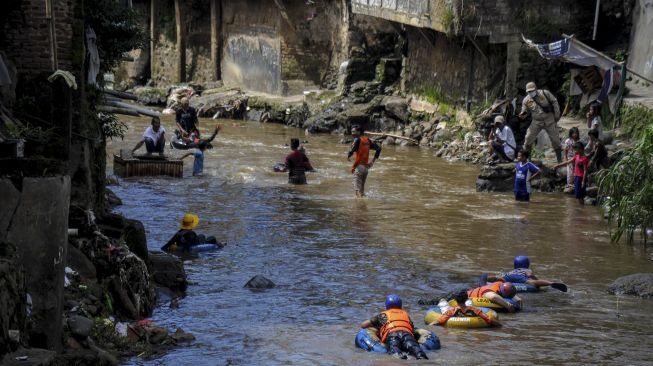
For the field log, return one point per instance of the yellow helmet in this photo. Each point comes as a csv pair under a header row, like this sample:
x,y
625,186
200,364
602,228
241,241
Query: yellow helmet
x,y
189,222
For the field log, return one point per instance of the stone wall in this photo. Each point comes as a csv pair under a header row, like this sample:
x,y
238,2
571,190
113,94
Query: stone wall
x,y
641,45
445,67
197,20
27,32
252,46
34,218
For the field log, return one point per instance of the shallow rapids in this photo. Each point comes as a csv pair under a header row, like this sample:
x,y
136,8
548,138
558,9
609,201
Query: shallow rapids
x,y
421,231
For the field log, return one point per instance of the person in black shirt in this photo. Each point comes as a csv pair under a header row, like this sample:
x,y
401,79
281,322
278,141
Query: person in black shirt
x,y
186,237
187,121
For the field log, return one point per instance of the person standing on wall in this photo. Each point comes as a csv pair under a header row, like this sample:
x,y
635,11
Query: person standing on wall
x,y
360,148
545,112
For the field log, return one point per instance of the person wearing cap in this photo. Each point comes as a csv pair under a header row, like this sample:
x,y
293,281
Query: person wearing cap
x,y
186,237
154,138
360,148
545,112
503,144
187,121
497,292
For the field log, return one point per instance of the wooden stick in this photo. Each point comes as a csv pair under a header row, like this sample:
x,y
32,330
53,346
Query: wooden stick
x,y
383,134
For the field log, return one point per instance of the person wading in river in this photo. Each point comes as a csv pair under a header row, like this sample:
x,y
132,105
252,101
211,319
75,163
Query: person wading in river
x,y
396,329
360,148
545,112
297,164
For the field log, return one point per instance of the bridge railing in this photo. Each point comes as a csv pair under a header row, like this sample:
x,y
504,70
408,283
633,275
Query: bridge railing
x,y
414,7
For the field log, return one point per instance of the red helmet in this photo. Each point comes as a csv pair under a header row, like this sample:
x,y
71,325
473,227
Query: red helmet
x,y
508,290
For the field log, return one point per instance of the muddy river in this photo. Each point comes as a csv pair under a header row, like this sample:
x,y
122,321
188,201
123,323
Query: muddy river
x,y
422,230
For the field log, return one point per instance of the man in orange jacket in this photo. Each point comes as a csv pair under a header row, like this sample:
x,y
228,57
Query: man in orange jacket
x,y
396,329
360,148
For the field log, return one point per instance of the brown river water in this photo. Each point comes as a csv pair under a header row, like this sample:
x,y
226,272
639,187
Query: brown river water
x,y
422,230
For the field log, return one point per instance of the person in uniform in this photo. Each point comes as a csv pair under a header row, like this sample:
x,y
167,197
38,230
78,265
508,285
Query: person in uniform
x,y
545,112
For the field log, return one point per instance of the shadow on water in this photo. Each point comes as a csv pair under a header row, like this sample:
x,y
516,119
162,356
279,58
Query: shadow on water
x,y
421,231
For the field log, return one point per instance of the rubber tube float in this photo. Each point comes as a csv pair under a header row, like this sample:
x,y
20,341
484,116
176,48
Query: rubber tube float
x,y
369,340
460,321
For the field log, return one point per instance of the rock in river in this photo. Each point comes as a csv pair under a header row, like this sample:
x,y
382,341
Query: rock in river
x,y
80,326
259,282
639,284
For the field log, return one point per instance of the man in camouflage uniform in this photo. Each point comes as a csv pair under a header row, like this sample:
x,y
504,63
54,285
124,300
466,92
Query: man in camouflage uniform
x,y
545,112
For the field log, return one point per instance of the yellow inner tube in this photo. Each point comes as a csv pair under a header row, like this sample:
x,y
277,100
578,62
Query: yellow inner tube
x,y
461,321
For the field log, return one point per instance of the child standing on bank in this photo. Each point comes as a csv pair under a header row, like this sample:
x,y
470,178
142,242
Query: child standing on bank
x,y
525,172
574,137
581,163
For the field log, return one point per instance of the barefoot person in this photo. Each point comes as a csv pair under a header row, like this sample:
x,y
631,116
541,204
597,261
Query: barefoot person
x,y
154,138
360,148
187,122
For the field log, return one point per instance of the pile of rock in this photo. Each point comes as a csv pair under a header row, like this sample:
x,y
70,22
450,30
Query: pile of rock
x,y
501,178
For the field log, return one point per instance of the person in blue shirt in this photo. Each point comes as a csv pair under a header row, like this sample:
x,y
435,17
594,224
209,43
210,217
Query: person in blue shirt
x,y
525,173
198,152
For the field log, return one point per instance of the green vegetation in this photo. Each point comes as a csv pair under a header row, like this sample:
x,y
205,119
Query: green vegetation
x,y
448,19
635,119
117,30
628,186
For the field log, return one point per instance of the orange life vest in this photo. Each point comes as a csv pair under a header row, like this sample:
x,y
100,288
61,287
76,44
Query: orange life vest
x,y
398,320
480,291
362,155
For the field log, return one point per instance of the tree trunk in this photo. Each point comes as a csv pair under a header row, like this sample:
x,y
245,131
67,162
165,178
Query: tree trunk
x,y
181,42
154,12
216,22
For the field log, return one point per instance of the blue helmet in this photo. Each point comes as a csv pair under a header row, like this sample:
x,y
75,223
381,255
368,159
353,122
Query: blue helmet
x,y
522,261
393,302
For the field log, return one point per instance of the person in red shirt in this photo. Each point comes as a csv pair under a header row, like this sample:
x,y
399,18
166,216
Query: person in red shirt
x,y
581,164
297,164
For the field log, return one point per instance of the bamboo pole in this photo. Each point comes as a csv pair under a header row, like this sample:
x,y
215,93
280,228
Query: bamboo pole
x,y
49,15
383,134
215,38
153,35
181,42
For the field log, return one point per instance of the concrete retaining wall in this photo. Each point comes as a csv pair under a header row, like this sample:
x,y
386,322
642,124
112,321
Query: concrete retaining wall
x,y
640,57
34,217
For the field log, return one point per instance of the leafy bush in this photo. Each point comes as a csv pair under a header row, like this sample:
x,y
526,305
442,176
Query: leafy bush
x,y
628,186
117,30
635,119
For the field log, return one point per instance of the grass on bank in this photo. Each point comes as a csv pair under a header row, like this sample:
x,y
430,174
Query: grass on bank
x,y
628,186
